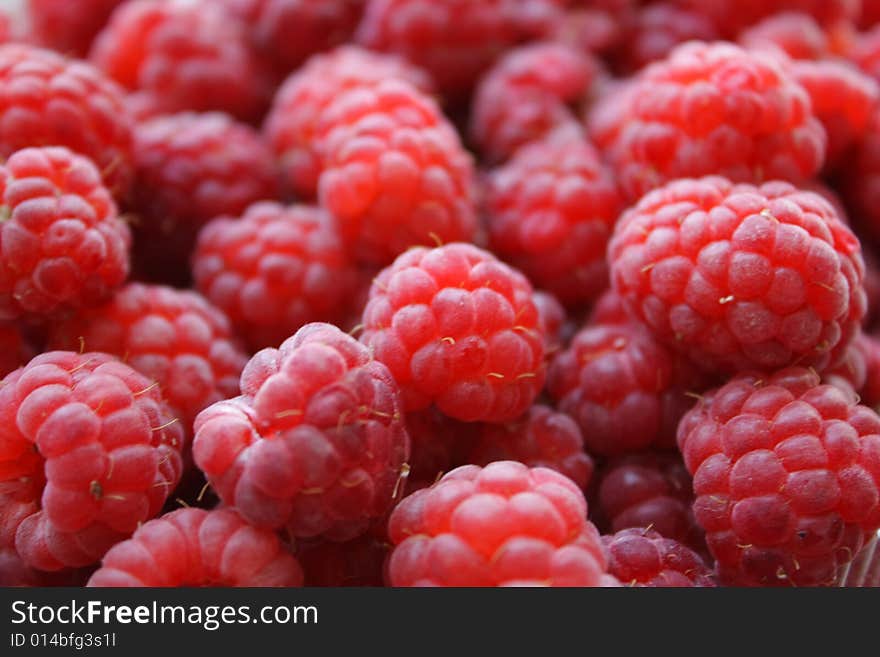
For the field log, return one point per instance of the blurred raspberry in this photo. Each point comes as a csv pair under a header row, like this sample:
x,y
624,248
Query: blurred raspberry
x,y
796,34
558,327
642,557
69,27
358,562
15,348
438,444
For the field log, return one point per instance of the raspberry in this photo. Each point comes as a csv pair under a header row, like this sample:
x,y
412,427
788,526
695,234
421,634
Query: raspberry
x,y
551,211
852,372
438,444
798,35
15,349
194,547
291,127
317,442
739,277
53,100
317,25
458,328
502,525
358,562
191,168
525,97
870,15
181,55
694,113
273,270
556,323
786,475
540,438
609,309
859,179
395,172
454,40
14,572
641,557
63,244
647,489
625,390
89,451
173,337
69,27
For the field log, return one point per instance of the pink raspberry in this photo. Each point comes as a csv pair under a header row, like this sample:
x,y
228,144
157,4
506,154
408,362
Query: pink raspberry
x,y
89,451
316,444
502,525
194,547
63,245
69,27
540,438
174,337
739,277
551,211
14,572
179,55
458,328
642,557
786,476
526,96
50,99
292,125
358,562
694,114
796,34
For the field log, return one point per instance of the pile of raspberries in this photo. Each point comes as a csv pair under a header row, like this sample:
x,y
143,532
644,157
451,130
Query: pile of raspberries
x,y
440,293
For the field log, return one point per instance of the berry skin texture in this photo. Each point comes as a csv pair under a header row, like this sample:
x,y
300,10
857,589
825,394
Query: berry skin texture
x,y
191,168
457,328
786,476
317,442
173,337
551,211
740,277
89,451
292,125
541,438
195,547
642,557
694,114
274,269
69,27
50,99
182,55
502,525
63,245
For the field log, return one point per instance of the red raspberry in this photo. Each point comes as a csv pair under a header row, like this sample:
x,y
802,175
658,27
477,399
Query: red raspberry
x,y
194,547
53,100
739,277
609,309
315,25
438,444
786,476
292,124
395,172
15,348
358,562
14,572
625,390
592,29
62,243
317,442
502,525
191,168
647,489
174,337
694,113
859,180
852,373
525,97
458,328
870,15
642,557
89,451
454,40
69,27
540,438
181,55
798,35
273,270
557,325
551,211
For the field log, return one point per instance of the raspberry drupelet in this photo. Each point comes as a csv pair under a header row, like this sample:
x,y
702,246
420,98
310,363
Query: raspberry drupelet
x,y
642,557
741,277
50,99
457,328
786,477
315,445
713,109
501,525
174,337
550,212
89,451
194,547
63,245
69,27
274,269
